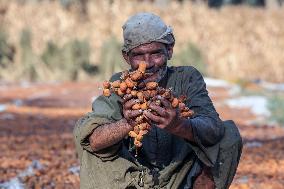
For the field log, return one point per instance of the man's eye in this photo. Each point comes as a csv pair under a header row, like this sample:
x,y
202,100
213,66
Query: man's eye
x,y
157,54
138,56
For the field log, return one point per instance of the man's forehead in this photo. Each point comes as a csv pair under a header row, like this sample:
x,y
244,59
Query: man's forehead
x,y
148,47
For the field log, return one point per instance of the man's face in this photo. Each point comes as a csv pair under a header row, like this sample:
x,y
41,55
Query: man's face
x,y
154,54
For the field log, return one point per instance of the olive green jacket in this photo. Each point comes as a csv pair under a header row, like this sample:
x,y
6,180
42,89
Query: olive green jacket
x,y
116,168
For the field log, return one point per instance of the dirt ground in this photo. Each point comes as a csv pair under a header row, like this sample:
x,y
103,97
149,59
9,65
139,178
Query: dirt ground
x,y
36,123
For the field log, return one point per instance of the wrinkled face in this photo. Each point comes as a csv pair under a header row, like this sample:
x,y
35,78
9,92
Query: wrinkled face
x,y
154,54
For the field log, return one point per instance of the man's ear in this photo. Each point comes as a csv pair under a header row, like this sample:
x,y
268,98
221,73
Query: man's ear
x,y
126,57
170,49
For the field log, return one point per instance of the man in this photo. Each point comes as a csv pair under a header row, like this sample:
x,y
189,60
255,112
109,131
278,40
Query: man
x,y
177,153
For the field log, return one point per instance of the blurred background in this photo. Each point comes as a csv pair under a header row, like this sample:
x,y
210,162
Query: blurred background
x,y
54,54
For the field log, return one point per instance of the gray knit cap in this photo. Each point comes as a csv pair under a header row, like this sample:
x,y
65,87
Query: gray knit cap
x,y
144,28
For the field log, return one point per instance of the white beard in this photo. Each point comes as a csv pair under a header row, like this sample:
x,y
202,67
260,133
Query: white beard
x,y
162,72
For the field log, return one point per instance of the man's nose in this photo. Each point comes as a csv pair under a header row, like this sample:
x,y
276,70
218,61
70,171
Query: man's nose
x,y
147,59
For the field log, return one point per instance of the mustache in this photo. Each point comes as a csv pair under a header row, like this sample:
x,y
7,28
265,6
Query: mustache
x,y
147,71
156,69
152,70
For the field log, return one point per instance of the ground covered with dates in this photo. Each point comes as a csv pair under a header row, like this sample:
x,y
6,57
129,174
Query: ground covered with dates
x,y
37,148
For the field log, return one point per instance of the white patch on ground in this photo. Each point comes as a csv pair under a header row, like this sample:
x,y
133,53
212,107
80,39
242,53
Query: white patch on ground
x,y
235,90
39,95
3,107
25,84
257,104
16,183
242,180
13,183
74,170
18,102
7,116
272,86
211,82
219,83
253,144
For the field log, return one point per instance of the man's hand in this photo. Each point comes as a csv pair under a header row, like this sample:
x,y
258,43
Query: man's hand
x,y
167,117
128,113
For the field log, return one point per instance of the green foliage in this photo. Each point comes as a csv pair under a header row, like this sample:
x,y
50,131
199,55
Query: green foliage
x,y
7,51
68,60
55,63
111,60
276,107
191,55
75,54
51,56
71,60
67,3
28,68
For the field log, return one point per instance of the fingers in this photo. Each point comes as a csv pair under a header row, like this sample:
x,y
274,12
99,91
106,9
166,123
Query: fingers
x,y
132,113
165,102
161,111
128,104
153,117
127,97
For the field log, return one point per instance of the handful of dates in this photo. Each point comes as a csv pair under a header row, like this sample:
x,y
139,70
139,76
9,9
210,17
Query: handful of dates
x,y
132,85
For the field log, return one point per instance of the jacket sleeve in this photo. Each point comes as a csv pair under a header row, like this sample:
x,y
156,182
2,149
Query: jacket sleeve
x,y
208,129
105,110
